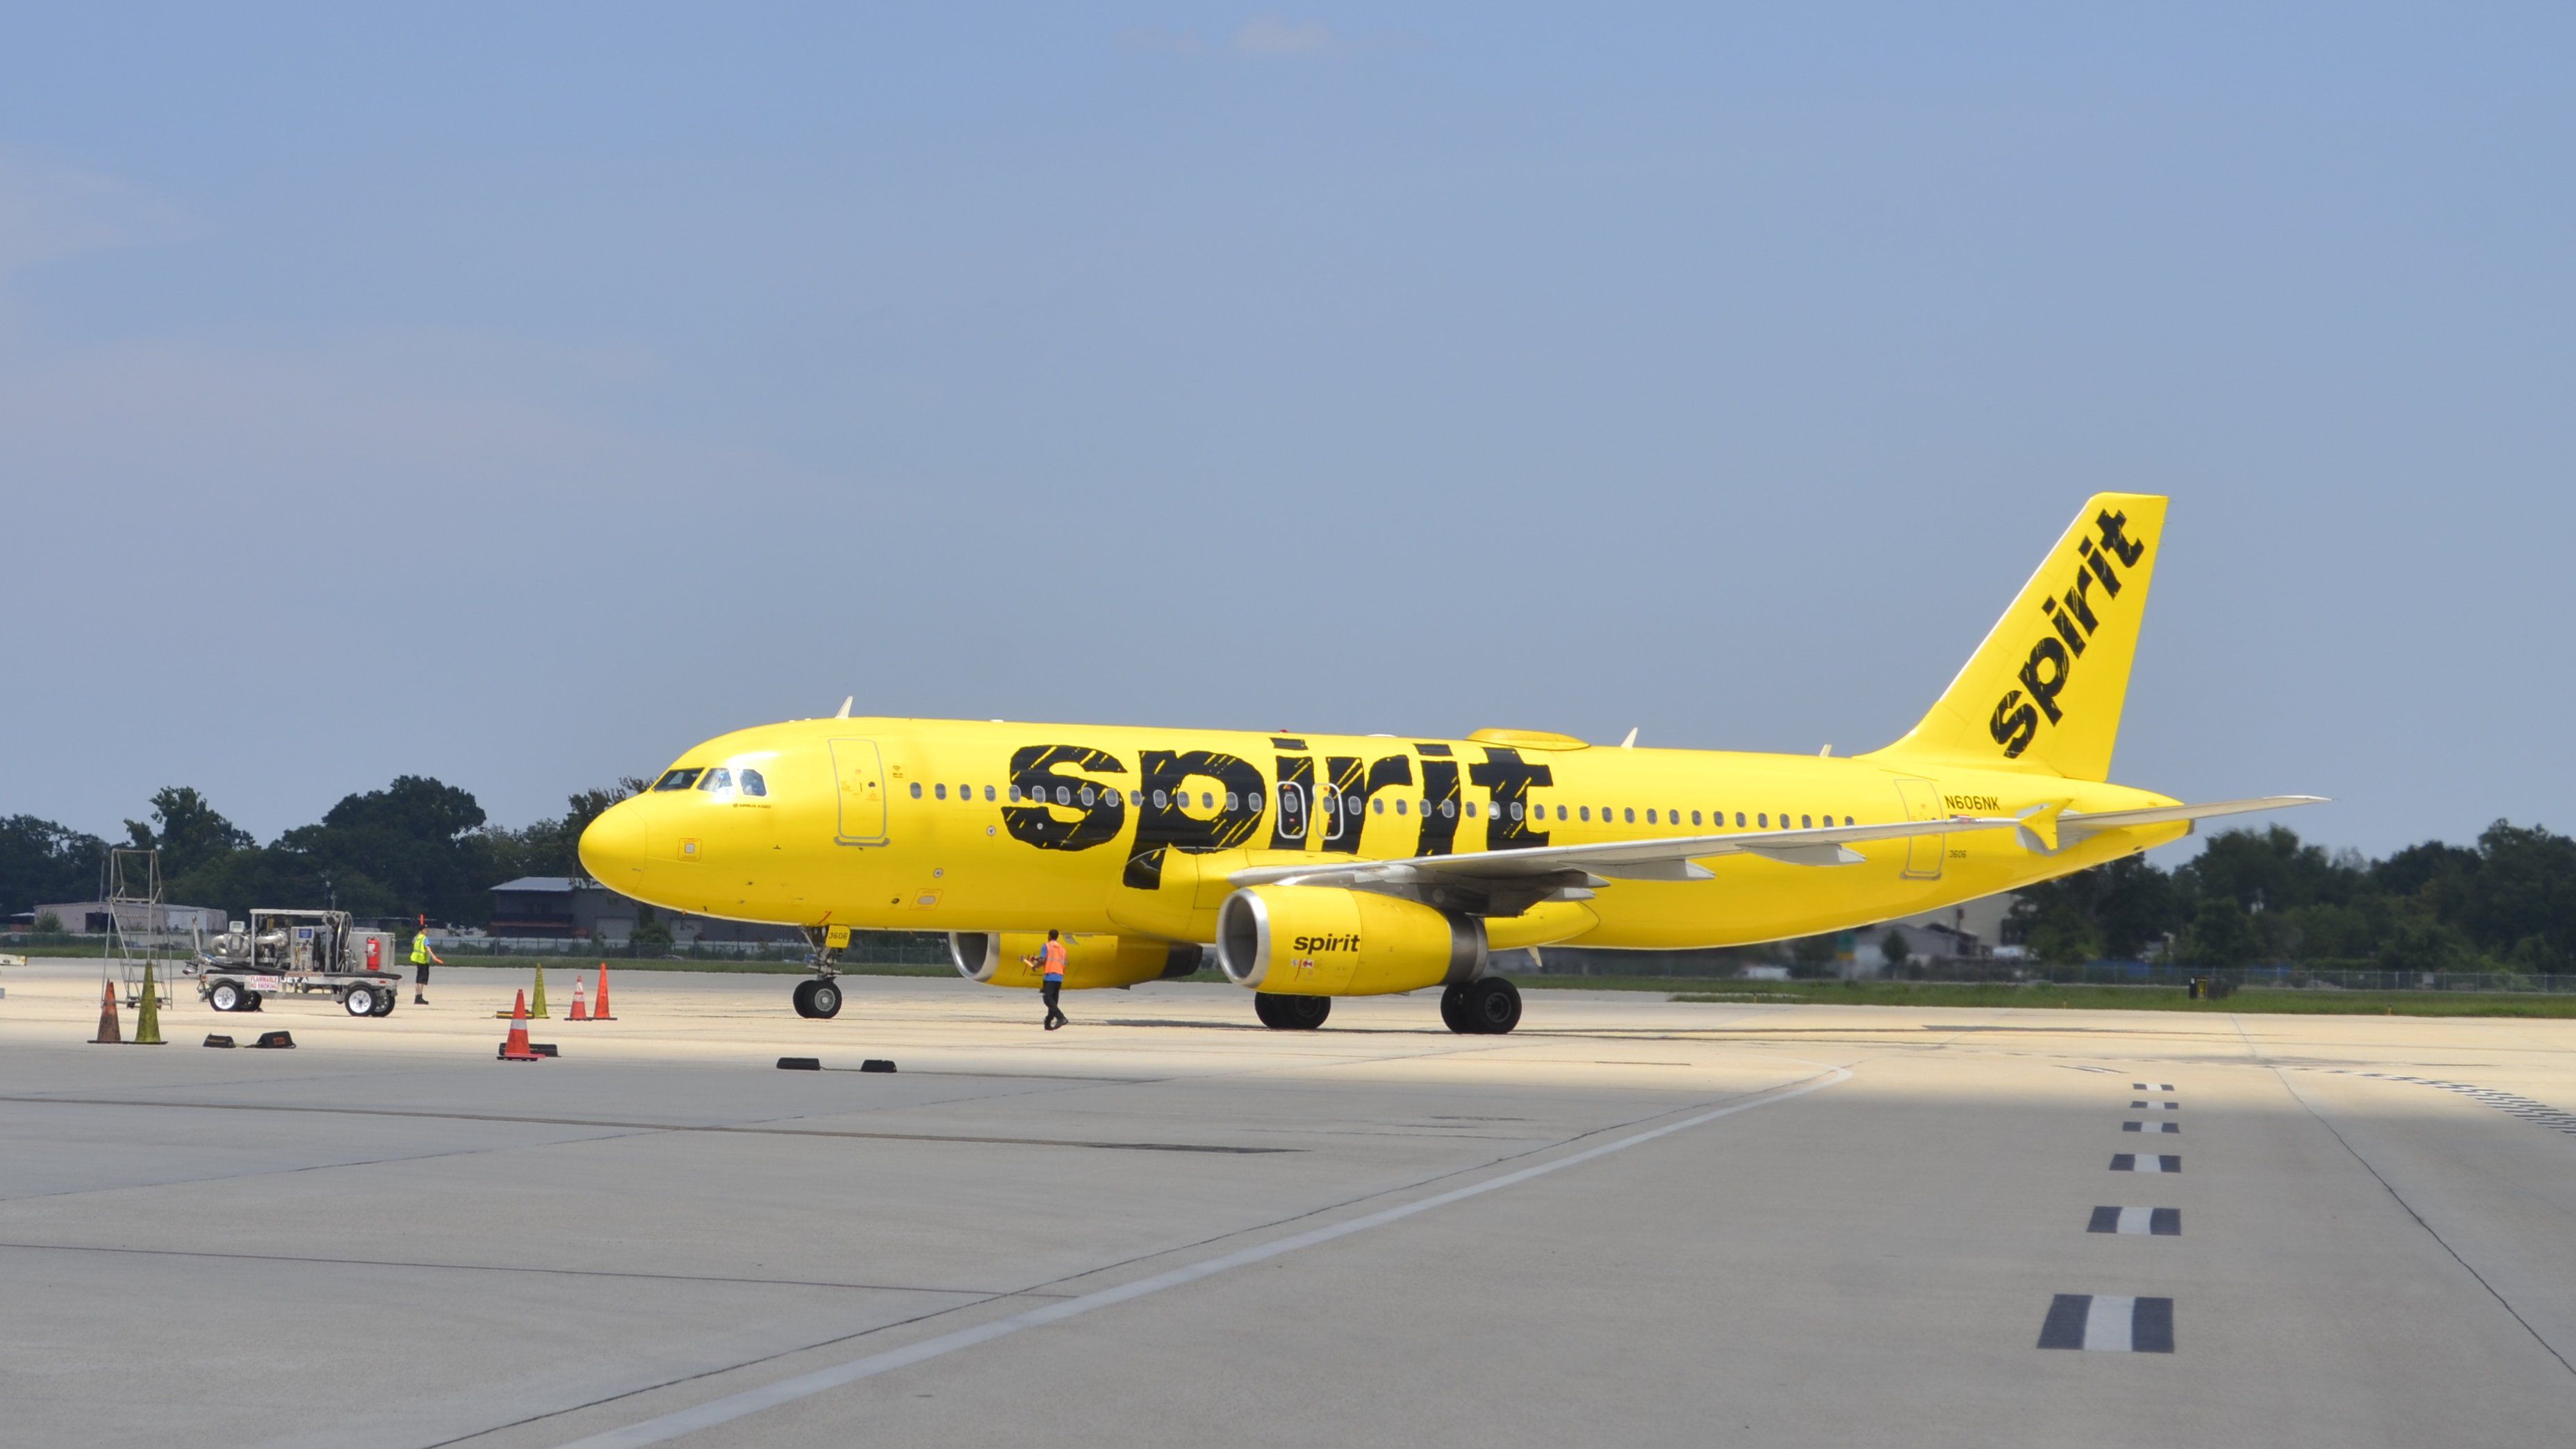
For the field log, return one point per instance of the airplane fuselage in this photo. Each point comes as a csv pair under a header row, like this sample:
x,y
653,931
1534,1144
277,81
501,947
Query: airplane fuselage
x,y
951,825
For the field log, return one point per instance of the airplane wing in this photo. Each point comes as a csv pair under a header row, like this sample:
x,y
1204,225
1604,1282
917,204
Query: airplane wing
x,y
1667,859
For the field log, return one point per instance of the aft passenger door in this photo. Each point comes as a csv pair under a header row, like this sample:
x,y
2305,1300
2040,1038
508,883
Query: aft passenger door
x,y
1922,852
860,771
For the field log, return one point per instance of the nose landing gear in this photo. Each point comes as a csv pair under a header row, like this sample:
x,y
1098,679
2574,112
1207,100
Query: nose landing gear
x,y
820,997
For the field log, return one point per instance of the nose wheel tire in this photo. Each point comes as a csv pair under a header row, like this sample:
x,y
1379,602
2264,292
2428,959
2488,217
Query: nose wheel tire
x,y
1291,1013
818,998
1487,1007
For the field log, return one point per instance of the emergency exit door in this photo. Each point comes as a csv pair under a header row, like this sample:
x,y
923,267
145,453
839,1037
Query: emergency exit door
x,y
860,771
1922,852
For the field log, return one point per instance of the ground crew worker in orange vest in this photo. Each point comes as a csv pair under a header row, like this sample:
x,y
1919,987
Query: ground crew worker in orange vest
x,y
1050,964
421,956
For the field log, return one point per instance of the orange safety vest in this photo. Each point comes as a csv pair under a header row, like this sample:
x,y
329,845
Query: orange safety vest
x,y
1053,965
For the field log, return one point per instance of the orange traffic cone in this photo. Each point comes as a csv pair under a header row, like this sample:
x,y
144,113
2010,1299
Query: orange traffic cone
x,y
515,1047
577,1013
109,1034
602,1013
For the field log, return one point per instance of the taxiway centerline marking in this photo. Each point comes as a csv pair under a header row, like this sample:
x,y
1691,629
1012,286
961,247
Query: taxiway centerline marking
x,y
751,1401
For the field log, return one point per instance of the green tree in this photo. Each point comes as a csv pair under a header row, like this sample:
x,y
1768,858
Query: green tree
x,y
42,862
2222,933
1893,947
187,832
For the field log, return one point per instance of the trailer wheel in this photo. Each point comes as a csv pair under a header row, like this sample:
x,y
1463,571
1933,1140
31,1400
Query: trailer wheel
x,y
361,1001
225,996
387,1000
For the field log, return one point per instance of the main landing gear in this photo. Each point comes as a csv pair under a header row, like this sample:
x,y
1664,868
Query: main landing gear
x,y
1486,1006
820,997
1291,1013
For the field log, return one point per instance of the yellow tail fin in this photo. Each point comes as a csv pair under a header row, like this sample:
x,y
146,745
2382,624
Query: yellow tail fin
x,y
2045,689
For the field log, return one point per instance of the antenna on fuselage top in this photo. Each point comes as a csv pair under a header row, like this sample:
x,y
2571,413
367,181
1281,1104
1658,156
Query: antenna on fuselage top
x,y
844,712
1630,742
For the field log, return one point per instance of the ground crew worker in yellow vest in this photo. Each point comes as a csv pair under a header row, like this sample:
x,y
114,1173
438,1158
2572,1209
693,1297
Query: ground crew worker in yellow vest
x,y
421,956
1050,964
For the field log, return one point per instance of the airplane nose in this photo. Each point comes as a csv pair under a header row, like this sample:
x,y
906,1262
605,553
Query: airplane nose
x,y
613,845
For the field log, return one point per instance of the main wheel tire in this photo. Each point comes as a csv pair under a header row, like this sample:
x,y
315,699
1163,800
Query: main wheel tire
x,y
1493,1006
805,997
826,998
1453,1008
361,1001
1291,1013
225,996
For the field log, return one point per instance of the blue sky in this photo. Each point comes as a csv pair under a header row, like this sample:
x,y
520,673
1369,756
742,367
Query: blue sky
x,y
594,379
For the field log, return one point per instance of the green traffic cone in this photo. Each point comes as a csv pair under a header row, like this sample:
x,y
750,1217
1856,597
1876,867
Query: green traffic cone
x,y
147,1019
537,998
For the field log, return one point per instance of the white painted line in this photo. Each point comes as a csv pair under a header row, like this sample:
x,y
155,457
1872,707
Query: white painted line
x,y
751,1401
2106,1323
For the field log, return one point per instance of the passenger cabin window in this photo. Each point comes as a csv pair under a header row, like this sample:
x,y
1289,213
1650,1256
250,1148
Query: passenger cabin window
x,y
1763,820
1087,795
1448,809
1560,812
753,785
916,789
1631,813
1232,802
1806,822
1694,817
678,780
937,792
718,778
1585,811
1650,817
988,793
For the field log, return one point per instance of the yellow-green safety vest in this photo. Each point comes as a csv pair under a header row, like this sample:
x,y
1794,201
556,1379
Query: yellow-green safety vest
x,y
420,949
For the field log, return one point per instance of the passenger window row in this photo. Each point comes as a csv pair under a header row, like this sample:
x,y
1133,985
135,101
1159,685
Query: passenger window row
x,y
1332,801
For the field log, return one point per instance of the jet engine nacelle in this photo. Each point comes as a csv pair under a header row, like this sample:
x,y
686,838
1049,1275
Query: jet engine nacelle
x,y
994,958
1289,940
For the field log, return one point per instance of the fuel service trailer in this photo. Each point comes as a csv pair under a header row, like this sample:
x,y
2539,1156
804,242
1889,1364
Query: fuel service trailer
x,y
305,952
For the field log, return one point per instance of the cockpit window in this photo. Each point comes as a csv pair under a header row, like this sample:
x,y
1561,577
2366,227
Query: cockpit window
x,y
718,778
678,779
752,784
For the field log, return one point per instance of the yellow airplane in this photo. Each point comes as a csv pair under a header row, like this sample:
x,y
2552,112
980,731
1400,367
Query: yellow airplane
x,y
1316,866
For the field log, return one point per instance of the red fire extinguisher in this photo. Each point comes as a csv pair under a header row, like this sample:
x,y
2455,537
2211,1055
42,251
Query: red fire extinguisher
x,y
375,953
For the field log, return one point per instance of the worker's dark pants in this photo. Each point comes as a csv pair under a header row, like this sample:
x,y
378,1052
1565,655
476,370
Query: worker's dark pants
x,y
420,975
1049,990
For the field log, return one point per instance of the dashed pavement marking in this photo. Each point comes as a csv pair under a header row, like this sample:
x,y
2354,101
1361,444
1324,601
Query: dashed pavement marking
x,y
2151,1086
2155,1106
2512,1103
2146,1162
2108,1323
2166,1128
2160,1222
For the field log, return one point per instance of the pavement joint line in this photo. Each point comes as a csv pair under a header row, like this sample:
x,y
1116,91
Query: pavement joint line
x,y
830,1133
2400,1198
408,1264
730,1407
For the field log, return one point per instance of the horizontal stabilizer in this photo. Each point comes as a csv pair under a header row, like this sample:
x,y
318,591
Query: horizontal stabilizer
x,y
2072,827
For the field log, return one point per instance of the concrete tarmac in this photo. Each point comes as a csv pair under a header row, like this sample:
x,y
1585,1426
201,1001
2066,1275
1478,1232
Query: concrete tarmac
x,y
1633,1221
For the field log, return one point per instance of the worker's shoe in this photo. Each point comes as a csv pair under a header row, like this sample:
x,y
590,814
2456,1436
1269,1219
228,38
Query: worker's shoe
x,y
419,1000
